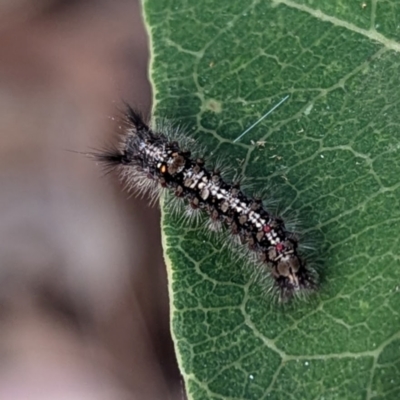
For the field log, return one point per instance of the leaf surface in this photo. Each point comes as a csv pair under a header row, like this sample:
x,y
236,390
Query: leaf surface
x,y
330,155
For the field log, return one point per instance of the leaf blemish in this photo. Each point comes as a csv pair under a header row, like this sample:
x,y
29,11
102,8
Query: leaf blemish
x,y
213,105
307,111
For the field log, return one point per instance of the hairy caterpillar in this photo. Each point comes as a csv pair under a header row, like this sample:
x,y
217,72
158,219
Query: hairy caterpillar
x,y
150,161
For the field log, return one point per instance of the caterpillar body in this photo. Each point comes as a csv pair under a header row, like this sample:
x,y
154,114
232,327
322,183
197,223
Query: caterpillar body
x,y
150,160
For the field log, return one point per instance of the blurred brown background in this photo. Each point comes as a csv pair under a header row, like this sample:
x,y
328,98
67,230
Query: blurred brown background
x,y
83,291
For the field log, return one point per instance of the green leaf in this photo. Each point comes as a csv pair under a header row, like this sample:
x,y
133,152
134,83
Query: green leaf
x,y
332,157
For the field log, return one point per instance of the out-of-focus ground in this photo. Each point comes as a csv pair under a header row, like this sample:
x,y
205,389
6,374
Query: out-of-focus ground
x,y
83,291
